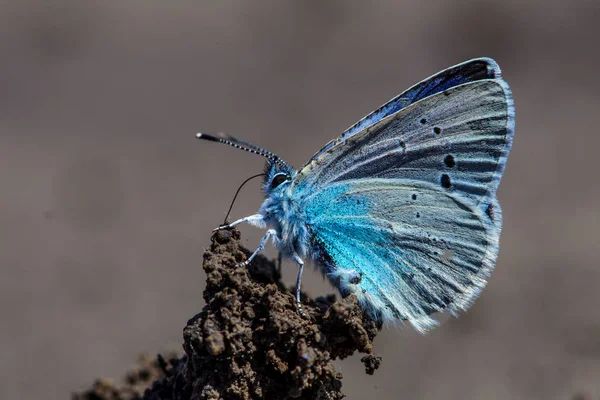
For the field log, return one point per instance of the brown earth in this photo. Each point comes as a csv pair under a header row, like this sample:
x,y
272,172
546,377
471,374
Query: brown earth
x,y
250,342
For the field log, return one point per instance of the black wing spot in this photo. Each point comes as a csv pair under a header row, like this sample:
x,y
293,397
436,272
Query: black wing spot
x,y
449,161
423,121
414,196
355,280
445,181
490,211
437,130
403,145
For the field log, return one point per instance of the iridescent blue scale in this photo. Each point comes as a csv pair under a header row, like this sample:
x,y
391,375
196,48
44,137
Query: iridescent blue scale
x,y
401,209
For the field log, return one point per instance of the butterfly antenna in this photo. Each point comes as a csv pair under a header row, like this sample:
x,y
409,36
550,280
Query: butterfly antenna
x,y
236,194
240,144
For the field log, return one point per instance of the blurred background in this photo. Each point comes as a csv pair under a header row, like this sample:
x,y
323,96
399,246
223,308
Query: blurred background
x,y
108,200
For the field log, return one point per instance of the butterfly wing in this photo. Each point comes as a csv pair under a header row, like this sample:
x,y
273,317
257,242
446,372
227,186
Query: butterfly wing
x,y
468,71
408,204
458,139
404,247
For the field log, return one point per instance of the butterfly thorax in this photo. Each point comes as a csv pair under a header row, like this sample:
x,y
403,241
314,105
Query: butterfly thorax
x,y
282,212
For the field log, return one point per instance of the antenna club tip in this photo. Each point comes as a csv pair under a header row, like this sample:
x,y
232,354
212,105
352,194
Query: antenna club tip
x,y
204,136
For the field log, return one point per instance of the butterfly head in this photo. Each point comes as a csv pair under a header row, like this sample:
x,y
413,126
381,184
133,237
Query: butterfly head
x,y
278,175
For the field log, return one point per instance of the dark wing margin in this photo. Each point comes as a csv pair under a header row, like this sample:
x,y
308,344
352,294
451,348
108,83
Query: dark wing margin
x,y
468,71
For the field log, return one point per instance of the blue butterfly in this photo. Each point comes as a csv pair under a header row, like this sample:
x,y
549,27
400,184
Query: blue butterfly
x,y
401,209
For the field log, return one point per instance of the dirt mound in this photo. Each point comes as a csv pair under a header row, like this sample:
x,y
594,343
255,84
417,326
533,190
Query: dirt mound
x,y
249,342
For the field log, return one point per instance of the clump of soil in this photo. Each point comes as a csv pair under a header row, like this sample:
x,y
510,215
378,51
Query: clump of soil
x,y
135,383
250,342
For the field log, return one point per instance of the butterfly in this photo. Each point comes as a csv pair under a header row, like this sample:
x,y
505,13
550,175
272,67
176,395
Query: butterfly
x,y
401,209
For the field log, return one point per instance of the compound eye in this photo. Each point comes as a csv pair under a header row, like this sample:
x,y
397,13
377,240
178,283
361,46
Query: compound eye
x,y
278,180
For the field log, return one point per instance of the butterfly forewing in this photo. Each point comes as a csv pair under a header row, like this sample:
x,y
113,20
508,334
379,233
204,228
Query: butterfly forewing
x,y
458,139
468,71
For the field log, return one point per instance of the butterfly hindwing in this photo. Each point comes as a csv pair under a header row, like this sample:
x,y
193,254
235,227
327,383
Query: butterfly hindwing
x,y
416,247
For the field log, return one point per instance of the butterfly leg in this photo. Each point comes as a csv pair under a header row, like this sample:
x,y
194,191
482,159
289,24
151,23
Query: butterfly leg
x,y
256,220
297,258
271,233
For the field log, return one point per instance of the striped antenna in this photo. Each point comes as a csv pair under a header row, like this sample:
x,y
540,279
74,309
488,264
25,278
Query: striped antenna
x,y
240,144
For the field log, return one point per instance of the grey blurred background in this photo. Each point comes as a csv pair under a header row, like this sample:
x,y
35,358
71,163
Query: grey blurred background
x,y
108,201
